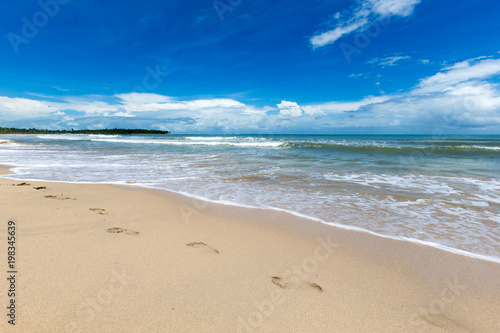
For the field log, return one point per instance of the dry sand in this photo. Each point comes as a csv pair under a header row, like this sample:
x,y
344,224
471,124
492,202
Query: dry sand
x,y
103,258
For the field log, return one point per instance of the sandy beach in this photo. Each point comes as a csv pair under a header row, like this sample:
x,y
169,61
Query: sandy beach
x,y
104,258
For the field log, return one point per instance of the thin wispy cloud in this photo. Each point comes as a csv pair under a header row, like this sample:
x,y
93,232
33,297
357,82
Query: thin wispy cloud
x,y
361,16
60,89
468,70
332,36
388,61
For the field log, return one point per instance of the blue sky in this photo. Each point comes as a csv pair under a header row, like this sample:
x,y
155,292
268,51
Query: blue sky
x,y
240,66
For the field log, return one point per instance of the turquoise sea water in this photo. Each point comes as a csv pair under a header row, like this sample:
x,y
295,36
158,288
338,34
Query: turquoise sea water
x,y
444,190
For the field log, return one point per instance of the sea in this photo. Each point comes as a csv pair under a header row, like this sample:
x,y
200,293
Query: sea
x,y
438,190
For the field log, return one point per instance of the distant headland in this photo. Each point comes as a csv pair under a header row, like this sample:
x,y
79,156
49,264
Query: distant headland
x,y
112,131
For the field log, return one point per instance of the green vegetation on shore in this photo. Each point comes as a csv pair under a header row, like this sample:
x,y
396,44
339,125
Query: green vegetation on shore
x,y
113,131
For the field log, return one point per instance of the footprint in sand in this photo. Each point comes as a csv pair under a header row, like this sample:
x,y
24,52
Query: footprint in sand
x,y
99,211
61,197
295,283
21,184
116,230
208,248
40,188
442,321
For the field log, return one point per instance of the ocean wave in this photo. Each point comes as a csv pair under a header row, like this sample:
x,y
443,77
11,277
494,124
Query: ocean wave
x,y
424,184
71,137
9,143
193,143
103,136
390,148
453,200
474,147
212,138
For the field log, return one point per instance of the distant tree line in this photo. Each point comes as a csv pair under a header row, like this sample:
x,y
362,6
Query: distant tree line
x,y
113,131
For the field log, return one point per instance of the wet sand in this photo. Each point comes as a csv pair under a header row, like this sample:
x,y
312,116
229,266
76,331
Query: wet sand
x,y
104,258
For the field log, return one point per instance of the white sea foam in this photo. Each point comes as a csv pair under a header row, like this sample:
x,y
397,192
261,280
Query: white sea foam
x,y
71,137
450,207
103,136
212,138
426,184
480,147
8,143
193,143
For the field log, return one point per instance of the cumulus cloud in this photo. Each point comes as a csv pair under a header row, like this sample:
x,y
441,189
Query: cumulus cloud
x,y
23,108
289,109
361,16
138,109
460,95
457,97
465,105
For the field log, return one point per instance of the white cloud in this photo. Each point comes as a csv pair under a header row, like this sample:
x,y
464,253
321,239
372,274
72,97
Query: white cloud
x,y
313,110
89,107
60,89
122,114
143,98
342,107
331,36
392,7
359,75
289,109
396,122
457,97
137,102
22,108
465,105
388,61
471,69
366,11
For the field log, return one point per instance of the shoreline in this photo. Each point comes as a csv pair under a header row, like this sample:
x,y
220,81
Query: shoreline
x,y
201,266
274,209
